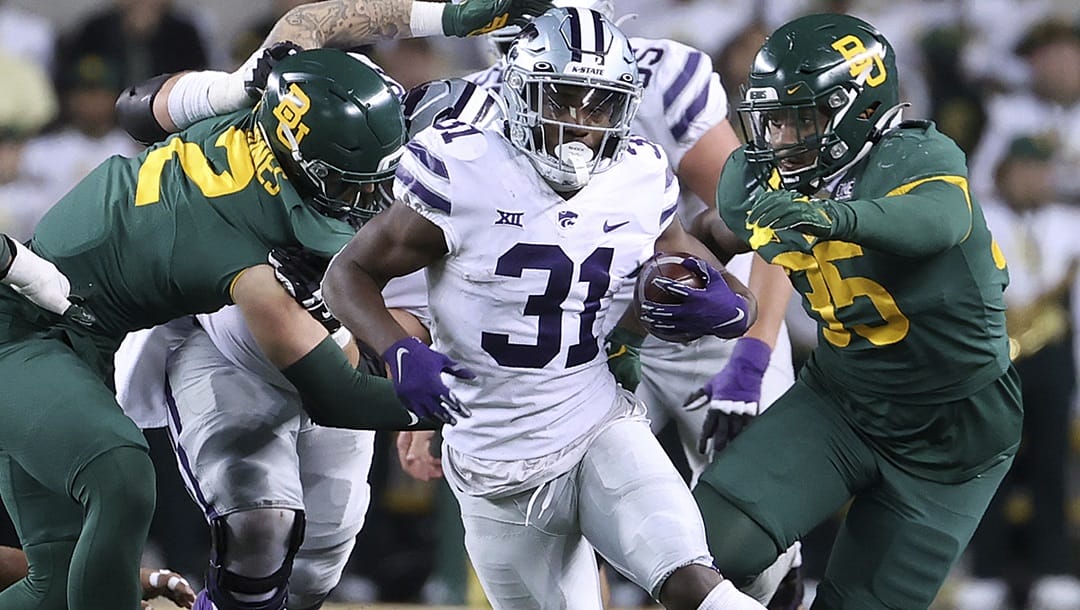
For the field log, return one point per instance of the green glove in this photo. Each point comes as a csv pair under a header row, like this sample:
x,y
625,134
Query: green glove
x,y
788,210
623,350
476,17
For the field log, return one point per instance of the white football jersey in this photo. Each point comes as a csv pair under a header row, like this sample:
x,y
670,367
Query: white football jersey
x,y
522,295
683,99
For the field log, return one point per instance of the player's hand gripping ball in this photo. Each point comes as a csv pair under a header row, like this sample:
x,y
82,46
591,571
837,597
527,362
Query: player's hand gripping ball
x,y
680,298
668,265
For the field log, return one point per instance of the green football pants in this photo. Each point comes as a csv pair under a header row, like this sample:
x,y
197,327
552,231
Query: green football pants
x,y
801,462
76,479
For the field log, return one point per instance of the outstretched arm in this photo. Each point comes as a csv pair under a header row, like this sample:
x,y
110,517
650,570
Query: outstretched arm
x,y
334,393
144,109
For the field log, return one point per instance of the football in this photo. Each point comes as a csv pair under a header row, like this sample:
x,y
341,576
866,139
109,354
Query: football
x,y
669,265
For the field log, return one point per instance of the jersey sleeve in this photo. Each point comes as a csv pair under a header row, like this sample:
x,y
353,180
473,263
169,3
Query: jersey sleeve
x,y
691,97
422,182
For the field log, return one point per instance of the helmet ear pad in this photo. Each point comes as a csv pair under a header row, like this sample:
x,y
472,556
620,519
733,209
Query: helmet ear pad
x,y
838,65
334,124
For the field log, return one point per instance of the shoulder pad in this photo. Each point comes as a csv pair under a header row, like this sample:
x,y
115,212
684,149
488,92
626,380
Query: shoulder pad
x,y
457,140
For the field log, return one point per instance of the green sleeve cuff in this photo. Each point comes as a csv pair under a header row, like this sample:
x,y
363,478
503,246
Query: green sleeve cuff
x,y
337,395
622,336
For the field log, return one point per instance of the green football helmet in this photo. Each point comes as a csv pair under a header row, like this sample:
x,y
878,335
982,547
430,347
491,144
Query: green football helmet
x,y
336,127
821,91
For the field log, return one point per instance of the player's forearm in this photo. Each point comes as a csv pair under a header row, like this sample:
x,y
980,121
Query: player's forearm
x,y
356,301
770,285
345,23
335,394
711,230
930,219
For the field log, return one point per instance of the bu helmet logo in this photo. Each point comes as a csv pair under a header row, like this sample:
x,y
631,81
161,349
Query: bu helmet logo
x,y
861,60
290,112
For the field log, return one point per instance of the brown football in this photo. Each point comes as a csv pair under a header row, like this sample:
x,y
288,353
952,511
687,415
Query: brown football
x,y
669,265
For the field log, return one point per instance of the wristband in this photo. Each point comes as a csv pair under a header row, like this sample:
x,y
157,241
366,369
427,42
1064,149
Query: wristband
x,y
426,18
342,337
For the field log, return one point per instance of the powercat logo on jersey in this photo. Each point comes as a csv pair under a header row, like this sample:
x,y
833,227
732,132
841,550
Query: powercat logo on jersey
x,y
290,113
567,219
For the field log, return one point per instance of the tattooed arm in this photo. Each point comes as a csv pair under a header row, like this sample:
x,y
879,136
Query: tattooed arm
x,y
168,103
343,23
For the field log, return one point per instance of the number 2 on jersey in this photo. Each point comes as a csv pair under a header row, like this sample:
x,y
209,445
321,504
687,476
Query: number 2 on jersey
x,y
197,168
547,307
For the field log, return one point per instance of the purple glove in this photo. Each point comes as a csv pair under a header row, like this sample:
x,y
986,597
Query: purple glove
x,y
712,310
416,370
732,395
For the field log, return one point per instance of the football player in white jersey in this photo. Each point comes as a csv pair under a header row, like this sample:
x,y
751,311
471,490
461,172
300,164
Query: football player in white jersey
x,y
526,235
684,110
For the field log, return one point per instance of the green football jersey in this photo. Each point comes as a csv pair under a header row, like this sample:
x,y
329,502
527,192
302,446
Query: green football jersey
x,y
147,239
919,329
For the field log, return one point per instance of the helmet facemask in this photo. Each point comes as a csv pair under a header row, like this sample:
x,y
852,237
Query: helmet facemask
x,y
821,91
569,108
799,140
552,109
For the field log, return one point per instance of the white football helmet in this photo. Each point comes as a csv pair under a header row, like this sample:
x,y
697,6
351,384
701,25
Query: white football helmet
x,y
570,69
499,40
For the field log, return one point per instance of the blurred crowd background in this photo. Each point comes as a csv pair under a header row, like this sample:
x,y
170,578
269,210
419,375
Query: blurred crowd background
x,y
1001,77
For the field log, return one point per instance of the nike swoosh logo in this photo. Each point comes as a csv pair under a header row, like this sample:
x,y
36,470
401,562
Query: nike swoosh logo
x,y
609,228
398,355
413,419
738,317
792,90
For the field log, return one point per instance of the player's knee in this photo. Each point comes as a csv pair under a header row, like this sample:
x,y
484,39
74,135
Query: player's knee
x,y
686,587
741,548
120,483
316,572
252,558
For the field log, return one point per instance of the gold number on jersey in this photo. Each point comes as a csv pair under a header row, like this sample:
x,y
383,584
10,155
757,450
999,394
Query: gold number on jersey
x,y
197,168
860,60
830,292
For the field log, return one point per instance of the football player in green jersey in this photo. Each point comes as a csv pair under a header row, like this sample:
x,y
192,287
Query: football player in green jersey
x,y
183,228
908,408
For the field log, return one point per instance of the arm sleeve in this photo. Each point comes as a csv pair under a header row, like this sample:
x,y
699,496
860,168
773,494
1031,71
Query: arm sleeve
x,y
337,395
931,216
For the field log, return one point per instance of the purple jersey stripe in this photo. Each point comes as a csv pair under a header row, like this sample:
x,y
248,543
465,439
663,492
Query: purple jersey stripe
x,y
667,213
682,80
429,197
692,112
181,455
428,160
